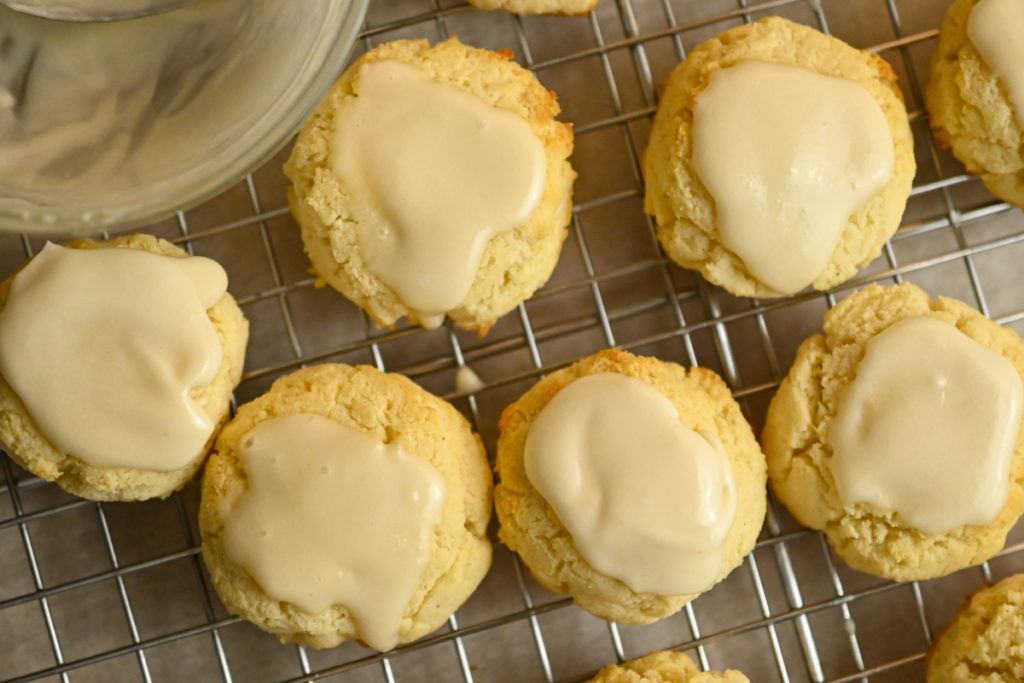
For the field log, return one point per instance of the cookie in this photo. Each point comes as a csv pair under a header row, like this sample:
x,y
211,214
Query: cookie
x,y
567,8
664,666
652,440
938,503
379,493
127,435
972,111
433,182
750,216
985,640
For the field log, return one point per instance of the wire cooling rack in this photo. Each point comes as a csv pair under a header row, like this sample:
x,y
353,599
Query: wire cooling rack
x,y
117,592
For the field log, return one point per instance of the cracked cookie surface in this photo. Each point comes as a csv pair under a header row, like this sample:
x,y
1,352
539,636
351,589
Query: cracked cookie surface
x,y
392,409
796,440
984,643
683,208
23,442
514,263
971,112
530,527
664,666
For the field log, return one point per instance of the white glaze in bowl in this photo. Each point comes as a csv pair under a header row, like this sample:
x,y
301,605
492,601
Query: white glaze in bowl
x,y
119,124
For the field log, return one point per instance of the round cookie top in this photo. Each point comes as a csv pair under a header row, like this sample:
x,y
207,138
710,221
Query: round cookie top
x,y
971,111
664,666
405,422
531,526
329,205
800,428
104,464
984,643
689,222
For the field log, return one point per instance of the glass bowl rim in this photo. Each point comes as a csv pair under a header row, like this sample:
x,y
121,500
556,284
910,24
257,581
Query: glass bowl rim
x,y
180,192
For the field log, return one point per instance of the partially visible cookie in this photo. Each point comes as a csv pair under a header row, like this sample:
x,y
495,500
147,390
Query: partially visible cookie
x,y
984,643
971,110
299,502
746,169
28,445
376,212
695,408
664,666
800,435
569,8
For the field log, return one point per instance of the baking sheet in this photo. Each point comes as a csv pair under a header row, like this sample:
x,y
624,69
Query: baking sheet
x,y
100,592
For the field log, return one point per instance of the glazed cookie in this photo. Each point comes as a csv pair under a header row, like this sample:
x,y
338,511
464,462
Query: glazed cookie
x,y
568,8
346,503
975,96
118,359
434,181
630,483
664,666
779,158
897,433
985,641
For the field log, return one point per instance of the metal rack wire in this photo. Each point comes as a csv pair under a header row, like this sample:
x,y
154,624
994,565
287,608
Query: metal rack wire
x,y
118,592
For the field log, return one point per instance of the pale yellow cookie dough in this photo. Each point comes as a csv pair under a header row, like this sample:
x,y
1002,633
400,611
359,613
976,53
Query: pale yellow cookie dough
x,y
514,263
664,666
20,437
796,440
568,8
395,410
984,643
683,208
530,527
970,111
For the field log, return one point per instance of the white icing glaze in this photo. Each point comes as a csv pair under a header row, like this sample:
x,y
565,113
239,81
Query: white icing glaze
x,y
103,346
788,156
433,174
332,516
928,427
646,499
467,381
995,28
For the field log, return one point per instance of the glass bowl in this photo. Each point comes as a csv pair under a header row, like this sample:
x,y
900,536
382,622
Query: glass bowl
x,y
107,126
